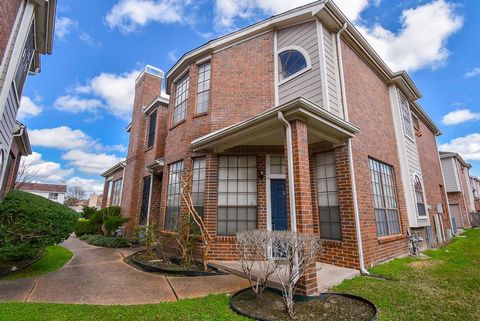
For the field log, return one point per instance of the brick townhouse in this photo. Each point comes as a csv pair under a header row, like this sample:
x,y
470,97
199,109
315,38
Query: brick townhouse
x,y
459,189
26,33
291,123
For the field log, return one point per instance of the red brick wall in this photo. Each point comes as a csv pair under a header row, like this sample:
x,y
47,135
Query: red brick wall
x,y
9,10
457,198
432,174
369,109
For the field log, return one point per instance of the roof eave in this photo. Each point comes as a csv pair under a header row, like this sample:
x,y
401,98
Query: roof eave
x,y
118,166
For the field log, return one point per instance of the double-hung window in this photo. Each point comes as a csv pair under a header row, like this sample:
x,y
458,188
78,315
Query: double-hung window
x,y
237,194
419,197
384,198
203,88
173,196
152,125
181,99
198,184
406,117
116,192
145,205
327,196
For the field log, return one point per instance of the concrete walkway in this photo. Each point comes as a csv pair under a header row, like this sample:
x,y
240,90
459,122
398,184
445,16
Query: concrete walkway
x,y
98,275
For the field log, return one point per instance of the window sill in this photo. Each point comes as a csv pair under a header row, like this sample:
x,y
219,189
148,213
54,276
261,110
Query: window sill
x,y
200,114
178,124
332,242
148,148
390,238
229,238
295,75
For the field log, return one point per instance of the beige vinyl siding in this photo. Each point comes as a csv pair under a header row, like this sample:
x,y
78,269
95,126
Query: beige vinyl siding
x,y
451,183
8,121
307,84
332,73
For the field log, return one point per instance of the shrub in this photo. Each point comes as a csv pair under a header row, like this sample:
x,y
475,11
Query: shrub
x,y
113,223
30,222
105,241
83,227
87,212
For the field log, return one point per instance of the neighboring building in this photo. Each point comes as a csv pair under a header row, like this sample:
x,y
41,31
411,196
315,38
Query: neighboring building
x,y
95,200
291,123
54,192
459,189
26,32
475,182
112,191
78,205
20,147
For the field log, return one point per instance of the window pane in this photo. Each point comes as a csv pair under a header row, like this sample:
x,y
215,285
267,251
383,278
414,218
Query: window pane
x,y
198,183
203,88
173,196
181,100
406,118
327,198
151,129
237,196
291,62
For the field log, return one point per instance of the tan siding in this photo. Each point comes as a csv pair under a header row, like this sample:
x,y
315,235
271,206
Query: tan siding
x,y
449,176
332,73
308,84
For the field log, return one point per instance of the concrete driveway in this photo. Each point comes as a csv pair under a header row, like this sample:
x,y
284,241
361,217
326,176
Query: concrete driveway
x,y
97,275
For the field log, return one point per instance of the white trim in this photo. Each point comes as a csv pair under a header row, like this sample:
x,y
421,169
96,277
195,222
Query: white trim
x,y
341,75
323,66
275,67
268,178
149,198
203,60
182,74
302,71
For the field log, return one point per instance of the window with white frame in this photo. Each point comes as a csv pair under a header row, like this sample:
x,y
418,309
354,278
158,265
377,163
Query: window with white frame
x,y
384,198
173,195
116,192
291,62
53,196
327,196
198,184
237,194
419,197
203,88
181,99
277,164
406,116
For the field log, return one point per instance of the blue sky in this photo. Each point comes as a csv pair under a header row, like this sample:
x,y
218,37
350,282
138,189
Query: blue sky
x,y
77,108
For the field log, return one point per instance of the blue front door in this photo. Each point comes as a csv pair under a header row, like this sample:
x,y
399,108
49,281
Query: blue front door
x,y
279,205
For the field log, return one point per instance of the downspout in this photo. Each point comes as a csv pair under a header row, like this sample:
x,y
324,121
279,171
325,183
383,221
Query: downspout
x,y
358,231
291,182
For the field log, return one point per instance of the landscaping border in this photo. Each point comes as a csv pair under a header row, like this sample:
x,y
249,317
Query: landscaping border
x,y
4,274
304,298
188,273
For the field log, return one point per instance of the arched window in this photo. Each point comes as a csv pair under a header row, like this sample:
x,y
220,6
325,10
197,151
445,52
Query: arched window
x,y
292,61
420,199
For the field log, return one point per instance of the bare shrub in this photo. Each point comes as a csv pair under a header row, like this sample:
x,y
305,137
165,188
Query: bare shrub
x,y
296,252
254,249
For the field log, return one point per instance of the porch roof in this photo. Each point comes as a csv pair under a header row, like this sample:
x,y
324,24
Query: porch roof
x,y
266,129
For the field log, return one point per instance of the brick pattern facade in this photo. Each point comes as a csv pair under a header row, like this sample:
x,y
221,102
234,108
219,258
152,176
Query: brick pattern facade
x,y
9,10
433,182
369,109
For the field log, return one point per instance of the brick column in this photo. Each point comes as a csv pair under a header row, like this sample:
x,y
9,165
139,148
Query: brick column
x,y
105,196
303,198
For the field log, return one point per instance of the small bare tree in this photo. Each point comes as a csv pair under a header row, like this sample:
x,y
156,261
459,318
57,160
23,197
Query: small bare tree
x,y
297,252
254,249
76,191
186,192
26,173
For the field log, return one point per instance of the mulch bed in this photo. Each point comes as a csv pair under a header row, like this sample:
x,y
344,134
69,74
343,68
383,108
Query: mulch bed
x,y
326,307
10,267
170,266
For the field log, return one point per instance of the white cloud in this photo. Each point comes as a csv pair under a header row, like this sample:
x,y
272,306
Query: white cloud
x,y
467,146
89,40
128,15
45,171
90,163
172,56
227,12
75,104
421,41
473,73
28,108
63,26
112,92
460,116
88,184
66,138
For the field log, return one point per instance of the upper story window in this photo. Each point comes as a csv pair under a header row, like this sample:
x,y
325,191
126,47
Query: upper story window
x,y
406,117
420,199
203,88
25,61
181,99
293,60
152,125
116,192
384,198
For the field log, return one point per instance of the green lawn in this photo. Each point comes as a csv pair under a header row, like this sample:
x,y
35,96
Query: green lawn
x,y
54,258
444,287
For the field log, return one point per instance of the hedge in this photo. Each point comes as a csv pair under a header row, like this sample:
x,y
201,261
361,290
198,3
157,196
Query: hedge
x,y
105,241
30,222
